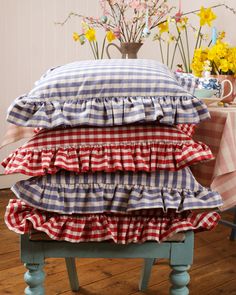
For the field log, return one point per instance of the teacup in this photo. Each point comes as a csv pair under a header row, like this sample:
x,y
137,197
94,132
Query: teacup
x,y
204,93
217,85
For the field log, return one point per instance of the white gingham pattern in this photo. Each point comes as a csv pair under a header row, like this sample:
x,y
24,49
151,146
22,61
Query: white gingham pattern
x,y
107,93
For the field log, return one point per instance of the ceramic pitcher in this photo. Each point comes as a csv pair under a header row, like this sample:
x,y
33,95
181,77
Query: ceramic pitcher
x,y
127,50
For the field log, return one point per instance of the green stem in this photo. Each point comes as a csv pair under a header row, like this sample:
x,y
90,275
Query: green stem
x,y
215,68
174,52
162,56
198,36
94,55
200,43
95,49
188,53
209,44
182,56
183,51
103,47
168,53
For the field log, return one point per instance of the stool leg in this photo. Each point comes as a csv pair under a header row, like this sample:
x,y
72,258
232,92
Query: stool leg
x,y
179,278
34,277
72,273
146,271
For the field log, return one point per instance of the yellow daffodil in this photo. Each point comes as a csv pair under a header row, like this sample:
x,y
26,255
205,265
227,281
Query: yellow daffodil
x,y
182,23
222,49
75,36
206,16
198,63
224,65
221,36
212,53
232,59
164,27
90,35
110,36
197,68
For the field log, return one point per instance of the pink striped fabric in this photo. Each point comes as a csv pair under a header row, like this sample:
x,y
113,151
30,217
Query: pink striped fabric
x,y
220,135
15,133
122,229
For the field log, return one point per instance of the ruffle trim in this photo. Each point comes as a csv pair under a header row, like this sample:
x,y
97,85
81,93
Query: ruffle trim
x,y
109,158
96,228
108,111
118,198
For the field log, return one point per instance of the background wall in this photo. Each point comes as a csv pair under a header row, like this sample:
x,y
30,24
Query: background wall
x,y
31,43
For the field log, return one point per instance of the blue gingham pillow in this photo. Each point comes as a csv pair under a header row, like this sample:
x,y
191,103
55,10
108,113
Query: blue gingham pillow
x,y
188,81
107,93
120,192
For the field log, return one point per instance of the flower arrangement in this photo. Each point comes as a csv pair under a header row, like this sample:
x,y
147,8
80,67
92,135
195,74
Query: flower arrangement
x,y
174,34
125,20
176,31
219,59
131,21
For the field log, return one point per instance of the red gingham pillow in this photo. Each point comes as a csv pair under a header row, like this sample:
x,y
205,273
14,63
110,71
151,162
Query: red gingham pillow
x,y
125,148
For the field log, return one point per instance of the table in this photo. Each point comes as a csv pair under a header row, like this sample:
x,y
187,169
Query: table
x,y
219,134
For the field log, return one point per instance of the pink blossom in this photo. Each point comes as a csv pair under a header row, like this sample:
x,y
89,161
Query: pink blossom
x,y
136,4
178,16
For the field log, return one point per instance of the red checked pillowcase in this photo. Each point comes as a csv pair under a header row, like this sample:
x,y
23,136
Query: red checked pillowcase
x,y
126,148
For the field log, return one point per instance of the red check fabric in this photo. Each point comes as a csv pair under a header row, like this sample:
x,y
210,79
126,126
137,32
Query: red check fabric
x,y
126,148
122,229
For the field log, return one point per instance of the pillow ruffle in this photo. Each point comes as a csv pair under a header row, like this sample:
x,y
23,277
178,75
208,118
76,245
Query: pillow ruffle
x,y
109,158
102,227
102,197
108,111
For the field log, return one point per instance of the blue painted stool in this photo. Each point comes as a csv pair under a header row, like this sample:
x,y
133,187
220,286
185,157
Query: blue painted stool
x,y
180,255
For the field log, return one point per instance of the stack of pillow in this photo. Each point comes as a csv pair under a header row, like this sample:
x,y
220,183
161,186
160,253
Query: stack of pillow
x,y
110,156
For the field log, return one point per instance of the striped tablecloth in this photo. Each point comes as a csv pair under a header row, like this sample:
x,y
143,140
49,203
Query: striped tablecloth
x,y
220,134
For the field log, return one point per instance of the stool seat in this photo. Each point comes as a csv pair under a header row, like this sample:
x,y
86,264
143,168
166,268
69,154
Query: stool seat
x,y
180,255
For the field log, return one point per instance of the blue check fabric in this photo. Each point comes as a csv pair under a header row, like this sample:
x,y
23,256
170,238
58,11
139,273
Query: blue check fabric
x,y
119,192
107,93
188,81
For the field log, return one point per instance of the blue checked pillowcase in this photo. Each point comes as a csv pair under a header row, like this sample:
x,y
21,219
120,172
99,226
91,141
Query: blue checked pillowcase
x,y
188,81
107,93
120,192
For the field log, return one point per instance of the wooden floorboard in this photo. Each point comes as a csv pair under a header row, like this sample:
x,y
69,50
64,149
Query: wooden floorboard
x,y
213,271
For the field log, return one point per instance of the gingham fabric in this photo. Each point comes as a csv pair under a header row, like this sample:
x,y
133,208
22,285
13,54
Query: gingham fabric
x,y
100,227
188,81
15,133
67,192
107,93
125,148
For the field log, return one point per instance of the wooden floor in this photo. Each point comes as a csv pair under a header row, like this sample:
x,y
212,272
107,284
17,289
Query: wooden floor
x,y
213,271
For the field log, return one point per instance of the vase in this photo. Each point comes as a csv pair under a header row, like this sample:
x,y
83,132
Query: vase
x,y
228,88
127,49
